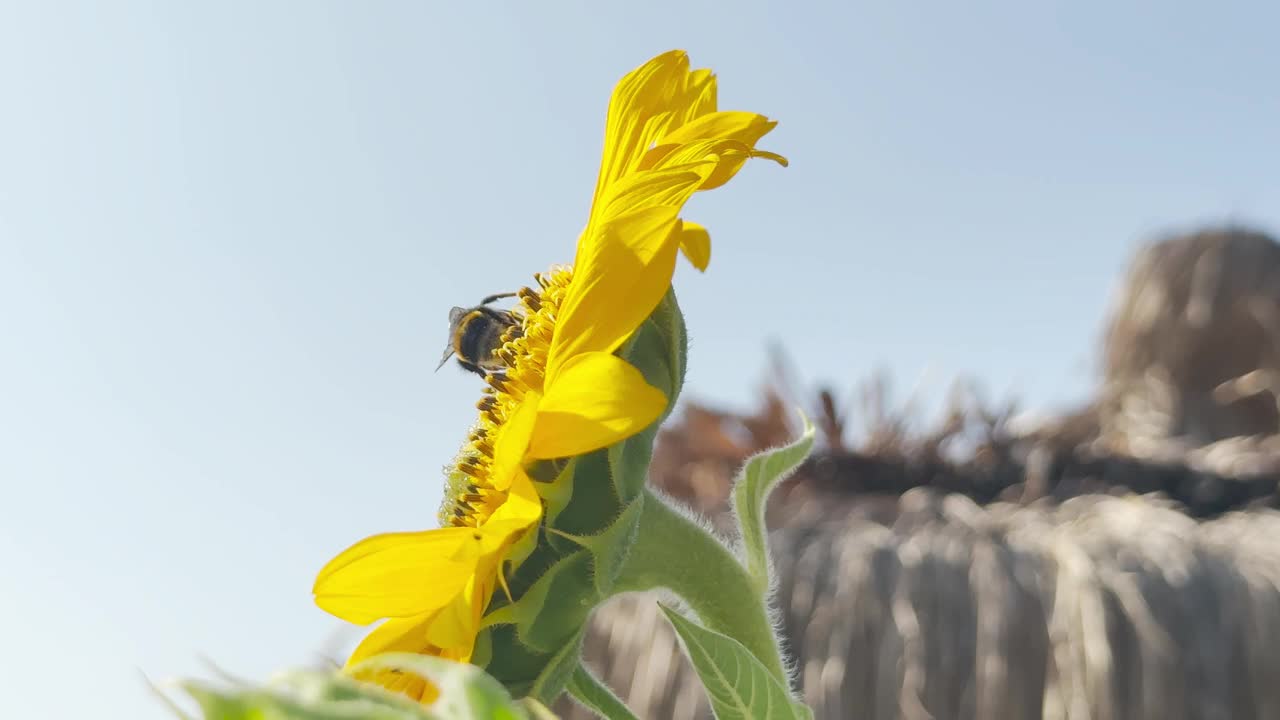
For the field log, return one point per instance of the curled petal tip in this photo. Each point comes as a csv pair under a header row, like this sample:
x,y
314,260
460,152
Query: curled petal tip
x,y
772,156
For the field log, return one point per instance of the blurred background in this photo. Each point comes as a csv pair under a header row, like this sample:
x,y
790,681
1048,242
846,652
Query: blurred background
x,y
230,235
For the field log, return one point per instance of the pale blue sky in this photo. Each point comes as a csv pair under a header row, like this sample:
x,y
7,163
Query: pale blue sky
x,y
230,234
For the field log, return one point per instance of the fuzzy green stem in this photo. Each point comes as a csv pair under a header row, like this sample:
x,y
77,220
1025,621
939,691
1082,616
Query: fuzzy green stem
x,y
673,552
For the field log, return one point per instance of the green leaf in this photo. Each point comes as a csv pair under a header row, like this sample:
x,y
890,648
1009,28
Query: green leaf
x,y
751,489
551,682
594,695
739,686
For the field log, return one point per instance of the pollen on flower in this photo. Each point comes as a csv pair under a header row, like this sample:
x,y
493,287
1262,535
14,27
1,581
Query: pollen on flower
x,y
470,496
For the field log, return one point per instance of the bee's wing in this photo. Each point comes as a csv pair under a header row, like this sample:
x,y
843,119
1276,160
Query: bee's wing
x,y
455,315
448,353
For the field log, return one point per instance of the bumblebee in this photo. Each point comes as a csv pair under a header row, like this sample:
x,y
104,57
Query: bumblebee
x,y
475,334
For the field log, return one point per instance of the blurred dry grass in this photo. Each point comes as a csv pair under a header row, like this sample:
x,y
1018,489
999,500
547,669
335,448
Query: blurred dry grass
x,y
1120,561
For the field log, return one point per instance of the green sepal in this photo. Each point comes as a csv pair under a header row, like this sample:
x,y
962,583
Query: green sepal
x,y
526,672
542,626
759,476
610,548
590,501
551,614
513,663
629,463
658,350
557,492
659,347
566,500
738,685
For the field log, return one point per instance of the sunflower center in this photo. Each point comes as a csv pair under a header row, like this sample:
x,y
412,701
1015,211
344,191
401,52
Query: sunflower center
x,y
470,497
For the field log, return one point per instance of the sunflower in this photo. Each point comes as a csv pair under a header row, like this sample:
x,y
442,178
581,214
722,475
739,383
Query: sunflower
x,y
563,392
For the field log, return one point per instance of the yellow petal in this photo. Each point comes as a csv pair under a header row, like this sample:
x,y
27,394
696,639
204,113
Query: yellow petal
x,y
395,635
699,137
397,574
455,626
695,243
595,401
526,507
509,447
640,113
453,629
618,280
405,683
521,510
744,127
699,98
663,187
766,155
728,155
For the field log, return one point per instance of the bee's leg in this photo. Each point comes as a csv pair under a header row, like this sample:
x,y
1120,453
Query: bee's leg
x,y
499,296
472,367
501,316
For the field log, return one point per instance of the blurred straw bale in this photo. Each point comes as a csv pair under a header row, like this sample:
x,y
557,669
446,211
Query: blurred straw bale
x,y
1192,353
1098,607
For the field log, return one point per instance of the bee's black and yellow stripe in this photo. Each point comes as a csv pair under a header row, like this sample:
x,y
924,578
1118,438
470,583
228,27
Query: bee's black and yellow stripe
x,y
477,335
